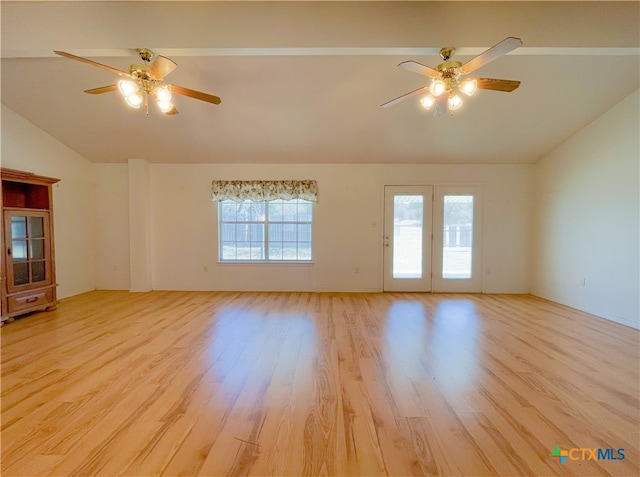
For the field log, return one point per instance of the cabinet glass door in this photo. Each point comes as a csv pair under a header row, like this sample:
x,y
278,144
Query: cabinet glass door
x,y
27,249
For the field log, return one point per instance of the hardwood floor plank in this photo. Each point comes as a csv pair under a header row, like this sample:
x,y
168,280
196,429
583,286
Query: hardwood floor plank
x,y
363,453
228,383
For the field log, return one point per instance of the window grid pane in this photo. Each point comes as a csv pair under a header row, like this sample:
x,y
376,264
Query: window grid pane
x,y
280,230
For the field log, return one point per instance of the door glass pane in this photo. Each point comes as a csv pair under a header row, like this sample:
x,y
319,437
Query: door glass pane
x,y
38,272
36,227
20,273
407,236
457,239
18,226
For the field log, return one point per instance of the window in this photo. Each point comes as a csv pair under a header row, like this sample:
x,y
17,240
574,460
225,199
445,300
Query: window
x,y
274,231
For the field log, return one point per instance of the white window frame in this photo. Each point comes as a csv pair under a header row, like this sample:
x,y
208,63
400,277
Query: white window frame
x,y
266,239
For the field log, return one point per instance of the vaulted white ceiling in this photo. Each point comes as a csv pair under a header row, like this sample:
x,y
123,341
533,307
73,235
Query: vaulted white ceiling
x,y
302,82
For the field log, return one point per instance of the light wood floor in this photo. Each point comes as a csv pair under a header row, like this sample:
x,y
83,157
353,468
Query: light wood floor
x,y
233,384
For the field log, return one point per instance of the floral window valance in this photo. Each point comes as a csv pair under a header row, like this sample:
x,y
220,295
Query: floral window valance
x,y
263,190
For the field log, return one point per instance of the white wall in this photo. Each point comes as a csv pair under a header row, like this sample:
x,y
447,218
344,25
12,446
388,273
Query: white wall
x,y
347,226
112,230
91,210
587,218
26,147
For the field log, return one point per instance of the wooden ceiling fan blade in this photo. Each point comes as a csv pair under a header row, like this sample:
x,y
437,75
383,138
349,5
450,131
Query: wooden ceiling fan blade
x,y
172,111
161,67
404,96
493,53
209,98
497,84
419,68
102,89
440,106
93,63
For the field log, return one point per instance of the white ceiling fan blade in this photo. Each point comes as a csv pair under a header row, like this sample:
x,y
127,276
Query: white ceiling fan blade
x,y
493,53
420,69
404,96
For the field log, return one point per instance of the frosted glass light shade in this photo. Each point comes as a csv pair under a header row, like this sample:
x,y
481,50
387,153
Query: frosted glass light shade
x,y
469,87
428,101
454,102
163,94
437,87
165,106
134,100
127,87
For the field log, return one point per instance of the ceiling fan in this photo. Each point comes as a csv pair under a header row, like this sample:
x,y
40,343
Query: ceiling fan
x,y
144,80
446,83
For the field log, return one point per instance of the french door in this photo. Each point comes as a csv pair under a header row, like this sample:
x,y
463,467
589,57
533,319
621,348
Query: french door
x,y
457,222
407,238
432,238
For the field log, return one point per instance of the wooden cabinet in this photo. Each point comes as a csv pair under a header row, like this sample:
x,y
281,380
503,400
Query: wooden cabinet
x,y
28,273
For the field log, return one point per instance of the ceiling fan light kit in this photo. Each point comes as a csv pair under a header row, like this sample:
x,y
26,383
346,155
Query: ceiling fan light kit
x,y
443,92
144,80
451,89
131,93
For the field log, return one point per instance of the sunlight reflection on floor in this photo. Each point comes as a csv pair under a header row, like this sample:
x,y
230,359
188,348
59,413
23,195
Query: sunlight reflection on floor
x,y
442,346
250,347
454,345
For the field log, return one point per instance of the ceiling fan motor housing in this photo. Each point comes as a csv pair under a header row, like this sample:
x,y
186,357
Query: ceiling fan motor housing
x,y
447,52
449,69
146,54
